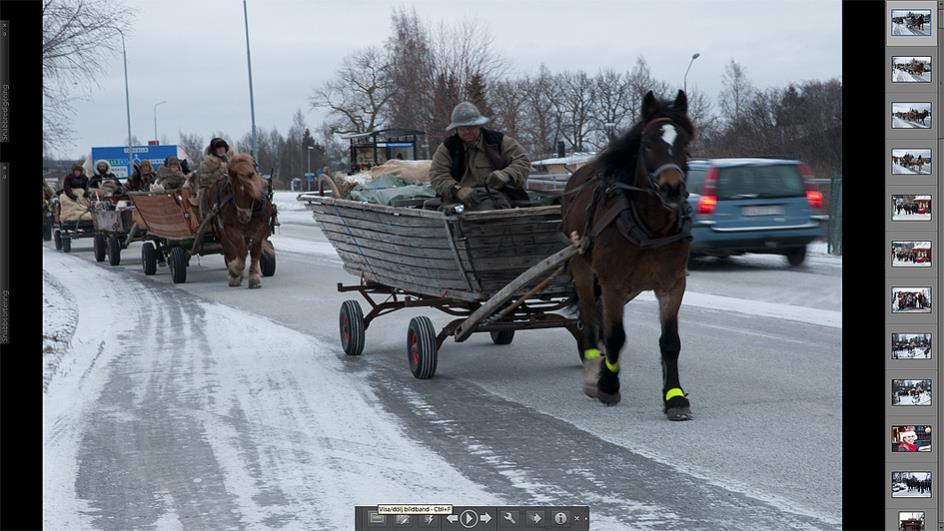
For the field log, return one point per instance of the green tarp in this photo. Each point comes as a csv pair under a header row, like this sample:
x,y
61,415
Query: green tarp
x,y
386,189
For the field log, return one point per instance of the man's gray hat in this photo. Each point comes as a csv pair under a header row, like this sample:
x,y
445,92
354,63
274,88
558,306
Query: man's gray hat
x,y
466,114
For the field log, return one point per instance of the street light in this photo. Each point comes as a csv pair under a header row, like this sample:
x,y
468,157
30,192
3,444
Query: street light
x,y
685,79
252,107
308,175
155,117
124,55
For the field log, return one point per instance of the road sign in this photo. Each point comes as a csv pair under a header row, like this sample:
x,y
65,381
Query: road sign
x,y
117,157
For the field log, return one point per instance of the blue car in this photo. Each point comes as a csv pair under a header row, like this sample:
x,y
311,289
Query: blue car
x,y
753,206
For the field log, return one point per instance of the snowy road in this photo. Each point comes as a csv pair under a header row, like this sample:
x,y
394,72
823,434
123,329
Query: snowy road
x,y
199,405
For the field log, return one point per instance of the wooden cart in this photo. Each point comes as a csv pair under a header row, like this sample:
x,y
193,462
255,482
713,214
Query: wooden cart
x,y
172,228
116,225
497,271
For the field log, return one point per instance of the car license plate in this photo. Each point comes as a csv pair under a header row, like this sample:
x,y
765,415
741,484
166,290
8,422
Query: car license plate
x,y
774,210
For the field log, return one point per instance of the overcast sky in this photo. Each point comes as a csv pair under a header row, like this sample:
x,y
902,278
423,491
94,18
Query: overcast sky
x,y
193,53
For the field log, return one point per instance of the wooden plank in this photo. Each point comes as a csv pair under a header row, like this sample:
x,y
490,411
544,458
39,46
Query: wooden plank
x,y
163,216
432,234
431,289
393,218
448,278
342,204
505,294
407,247
446,264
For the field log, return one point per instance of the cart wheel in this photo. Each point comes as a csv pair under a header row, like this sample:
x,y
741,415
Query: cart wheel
x,y
149,258
352,328
47,229
57,236
66,243
178,265
98,247
267,264
502,337
422,348
114,250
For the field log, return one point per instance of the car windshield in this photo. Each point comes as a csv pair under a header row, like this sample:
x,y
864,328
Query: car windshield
x,y
748,182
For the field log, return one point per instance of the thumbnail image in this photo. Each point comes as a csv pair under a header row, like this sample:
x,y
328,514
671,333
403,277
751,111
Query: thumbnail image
x,y
911,254
911,484
911,346
911,22
911,392
911,208
911,162
911,438
911,115
911,521
911,300
909,69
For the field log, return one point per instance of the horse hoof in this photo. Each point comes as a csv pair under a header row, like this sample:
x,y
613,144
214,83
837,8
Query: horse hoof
x,y
235,282
590,390
255,284
607,398
678,413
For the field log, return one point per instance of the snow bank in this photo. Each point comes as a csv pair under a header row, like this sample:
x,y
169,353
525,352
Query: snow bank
x,y
60,316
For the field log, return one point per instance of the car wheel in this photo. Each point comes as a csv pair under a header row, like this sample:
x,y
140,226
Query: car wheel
x,y
797,256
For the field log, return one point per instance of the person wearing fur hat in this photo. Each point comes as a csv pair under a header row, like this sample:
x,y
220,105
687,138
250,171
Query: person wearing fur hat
x,y
75,181
170,176
478,167
909,441
102,174
144,176
212,167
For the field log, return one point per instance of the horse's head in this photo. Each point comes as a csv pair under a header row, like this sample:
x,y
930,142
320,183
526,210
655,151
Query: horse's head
x,y
246,184
663,148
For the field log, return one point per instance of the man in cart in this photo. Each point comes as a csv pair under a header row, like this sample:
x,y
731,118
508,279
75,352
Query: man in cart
x,y
478,167
213,167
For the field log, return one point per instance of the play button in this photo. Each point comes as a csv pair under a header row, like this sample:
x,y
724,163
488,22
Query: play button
x,y
468,519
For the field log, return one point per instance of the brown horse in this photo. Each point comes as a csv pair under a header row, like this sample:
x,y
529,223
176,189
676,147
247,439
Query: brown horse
x,y
632,203
242,222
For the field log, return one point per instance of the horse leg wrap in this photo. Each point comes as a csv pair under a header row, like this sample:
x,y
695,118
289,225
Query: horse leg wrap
x,y
677,406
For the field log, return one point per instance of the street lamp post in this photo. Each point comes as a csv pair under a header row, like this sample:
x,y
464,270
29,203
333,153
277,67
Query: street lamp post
x,y
685,79
124,55
307,178
155,117
252,107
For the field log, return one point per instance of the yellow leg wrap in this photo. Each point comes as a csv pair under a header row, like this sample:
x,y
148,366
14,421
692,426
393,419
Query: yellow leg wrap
x,y
614,368
591,353
672,393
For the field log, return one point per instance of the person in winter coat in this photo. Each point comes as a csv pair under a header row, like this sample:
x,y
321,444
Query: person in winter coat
x,y
75,181
171,176
910,443
478,167
212,167
143,178
104,179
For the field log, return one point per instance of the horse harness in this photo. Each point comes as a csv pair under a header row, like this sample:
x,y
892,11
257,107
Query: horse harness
x,y
620,208
256,208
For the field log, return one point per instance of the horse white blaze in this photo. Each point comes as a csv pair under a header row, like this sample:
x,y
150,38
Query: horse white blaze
x,y
668,135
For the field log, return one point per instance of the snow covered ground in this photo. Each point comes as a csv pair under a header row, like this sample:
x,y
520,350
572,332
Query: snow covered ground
x,y
280,435
908,263
911,217
900,76
59,320
901,30
924,169
924,399
899,123
900,490
916,354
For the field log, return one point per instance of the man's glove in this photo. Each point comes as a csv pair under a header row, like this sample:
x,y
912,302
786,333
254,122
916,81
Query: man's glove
x,y
498,179
467,196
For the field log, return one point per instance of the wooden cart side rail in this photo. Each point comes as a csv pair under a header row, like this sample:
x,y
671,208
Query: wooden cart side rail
x,y
314,198
163,215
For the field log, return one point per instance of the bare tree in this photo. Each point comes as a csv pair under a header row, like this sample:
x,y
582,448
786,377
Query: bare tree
x,y
542,118
736,92
574,101
464,50
193,145
359,95
612,104
411,71
508,102
77,37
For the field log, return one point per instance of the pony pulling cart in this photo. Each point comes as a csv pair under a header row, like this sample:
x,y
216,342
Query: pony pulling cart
x,y
623,227
240,222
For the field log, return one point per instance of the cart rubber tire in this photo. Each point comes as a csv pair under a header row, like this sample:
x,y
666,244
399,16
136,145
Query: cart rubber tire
x,y
66,243
149,258
47,229
421,347
178,265
351,327
57,236
98,247
114,250
502,337
267,264
796,257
